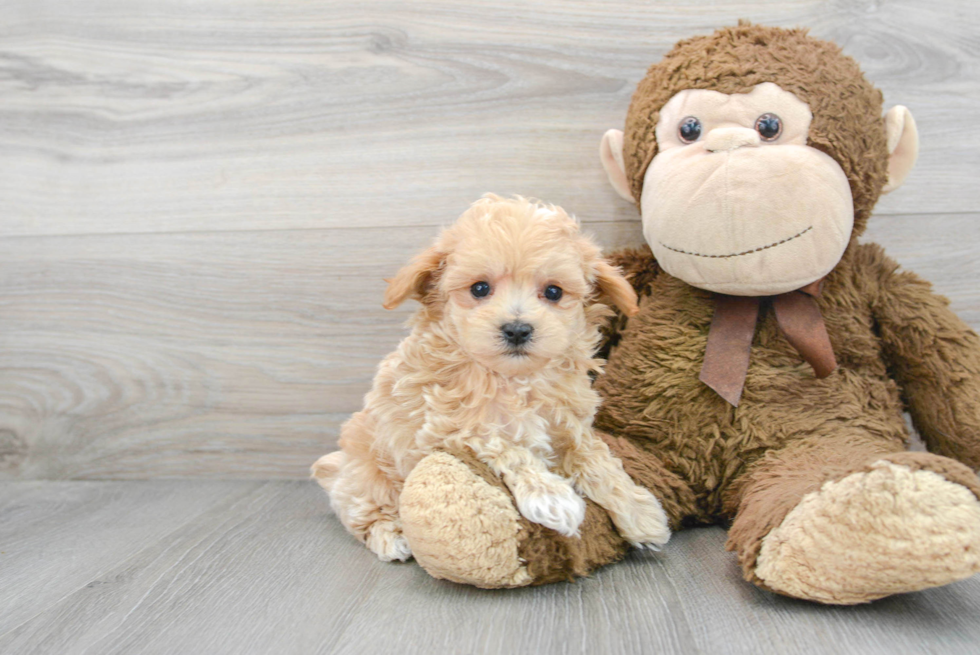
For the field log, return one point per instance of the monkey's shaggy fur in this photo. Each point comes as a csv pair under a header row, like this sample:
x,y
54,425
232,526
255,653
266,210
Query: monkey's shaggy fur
x,y
793,436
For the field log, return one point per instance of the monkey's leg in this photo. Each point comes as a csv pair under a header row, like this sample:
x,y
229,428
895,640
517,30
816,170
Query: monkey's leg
x,y
462,524
845,519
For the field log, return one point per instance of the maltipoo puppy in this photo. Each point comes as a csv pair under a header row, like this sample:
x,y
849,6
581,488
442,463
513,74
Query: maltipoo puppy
x,y
498,362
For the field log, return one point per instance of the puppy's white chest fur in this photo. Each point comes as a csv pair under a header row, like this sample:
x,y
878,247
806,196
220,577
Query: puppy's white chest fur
x,y
544,412
523,417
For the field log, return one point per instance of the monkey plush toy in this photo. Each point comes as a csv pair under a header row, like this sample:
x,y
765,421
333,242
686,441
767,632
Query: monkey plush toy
x,y
763,381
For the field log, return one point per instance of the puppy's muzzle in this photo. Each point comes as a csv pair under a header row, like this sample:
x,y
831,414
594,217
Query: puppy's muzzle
x,y
516,333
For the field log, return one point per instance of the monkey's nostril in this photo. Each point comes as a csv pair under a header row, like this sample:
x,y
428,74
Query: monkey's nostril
x,y
517,333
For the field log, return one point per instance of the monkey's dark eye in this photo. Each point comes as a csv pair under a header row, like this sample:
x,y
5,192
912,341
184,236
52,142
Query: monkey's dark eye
x,y
769,126
480,289
689,129
552,293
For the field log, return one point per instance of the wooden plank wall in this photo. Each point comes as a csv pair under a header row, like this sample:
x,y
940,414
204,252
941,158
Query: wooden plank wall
x,y
199,201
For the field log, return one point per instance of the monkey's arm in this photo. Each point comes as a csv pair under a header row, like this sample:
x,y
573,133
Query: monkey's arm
x,y
935,358
640,268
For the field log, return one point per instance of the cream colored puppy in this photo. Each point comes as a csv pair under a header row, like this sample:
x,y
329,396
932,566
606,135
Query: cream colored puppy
x,y
498,361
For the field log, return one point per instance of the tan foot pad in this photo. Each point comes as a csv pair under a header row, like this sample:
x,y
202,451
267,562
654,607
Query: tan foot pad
x,y
460,527
872,534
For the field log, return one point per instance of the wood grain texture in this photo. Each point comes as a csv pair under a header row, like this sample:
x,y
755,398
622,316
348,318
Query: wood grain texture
x,y
265,569
205,354
155,116
57,537
198,203
239,354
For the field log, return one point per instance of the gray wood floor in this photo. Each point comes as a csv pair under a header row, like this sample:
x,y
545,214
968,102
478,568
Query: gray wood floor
x,y
260,567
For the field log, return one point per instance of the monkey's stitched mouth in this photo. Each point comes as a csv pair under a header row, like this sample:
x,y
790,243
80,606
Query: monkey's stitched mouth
x,y
738,254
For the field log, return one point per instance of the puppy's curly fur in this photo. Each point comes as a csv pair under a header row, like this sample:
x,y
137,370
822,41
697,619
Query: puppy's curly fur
x,y
522,406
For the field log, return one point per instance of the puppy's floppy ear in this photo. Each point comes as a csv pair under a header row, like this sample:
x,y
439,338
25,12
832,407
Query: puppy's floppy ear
x,y
615,288
415,279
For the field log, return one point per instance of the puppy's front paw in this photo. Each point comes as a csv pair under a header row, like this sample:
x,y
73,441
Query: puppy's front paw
x,y
385,539
643,523
554,506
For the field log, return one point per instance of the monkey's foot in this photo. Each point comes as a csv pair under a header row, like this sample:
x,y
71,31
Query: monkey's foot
x,y
883,531
463,525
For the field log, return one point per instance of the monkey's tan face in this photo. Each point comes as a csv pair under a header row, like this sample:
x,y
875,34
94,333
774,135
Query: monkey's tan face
x,y
736,202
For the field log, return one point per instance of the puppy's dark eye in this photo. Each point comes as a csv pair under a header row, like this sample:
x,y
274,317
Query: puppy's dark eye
x,y
480,289
769,126
552,293
689,129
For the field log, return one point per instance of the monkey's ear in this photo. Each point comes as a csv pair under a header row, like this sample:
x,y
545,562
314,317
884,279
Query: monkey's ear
x,y
615,288
415,279
611,154
903,145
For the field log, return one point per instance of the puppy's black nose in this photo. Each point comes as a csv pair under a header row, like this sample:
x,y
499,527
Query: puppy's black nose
x,y
517,333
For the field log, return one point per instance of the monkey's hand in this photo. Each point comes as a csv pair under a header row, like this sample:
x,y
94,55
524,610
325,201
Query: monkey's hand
x,y
932,354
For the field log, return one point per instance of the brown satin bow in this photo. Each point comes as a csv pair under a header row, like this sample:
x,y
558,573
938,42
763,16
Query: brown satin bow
x,y
726,357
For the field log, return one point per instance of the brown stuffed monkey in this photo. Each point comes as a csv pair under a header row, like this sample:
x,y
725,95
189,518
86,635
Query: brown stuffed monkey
x,y
764,380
